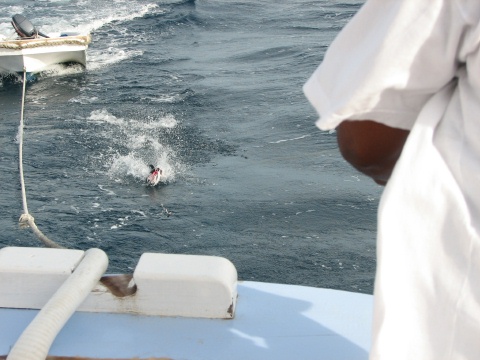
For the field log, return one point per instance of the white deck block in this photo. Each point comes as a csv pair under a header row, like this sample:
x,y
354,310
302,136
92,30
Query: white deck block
x,y
30,276
174,285
167,284
186,285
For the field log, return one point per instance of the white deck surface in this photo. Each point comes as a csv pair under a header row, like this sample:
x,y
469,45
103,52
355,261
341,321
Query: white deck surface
x,y
271,322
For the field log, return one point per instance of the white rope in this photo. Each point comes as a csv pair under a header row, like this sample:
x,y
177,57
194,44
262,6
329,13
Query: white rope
x,y
26,219
79,40
37,338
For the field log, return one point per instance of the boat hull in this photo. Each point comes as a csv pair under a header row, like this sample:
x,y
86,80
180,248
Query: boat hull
x,y
38,55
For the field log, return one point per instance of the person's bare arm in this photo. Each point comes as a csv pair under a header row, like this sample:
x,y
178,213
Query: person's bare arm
x,y
371,147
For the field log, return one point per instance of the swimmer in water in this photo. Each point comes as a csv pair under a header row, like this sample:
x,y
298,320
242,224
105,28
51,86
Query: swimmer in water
x,y
154,177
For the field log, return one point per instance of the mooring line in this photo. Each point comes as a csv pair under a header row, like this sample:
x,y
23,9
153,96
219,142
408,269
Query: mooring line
x,y
26,219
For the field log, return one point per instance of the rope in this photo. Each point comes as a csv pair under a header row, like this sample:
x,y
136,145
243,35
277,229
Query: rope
x,y
33,43
35,341
26,219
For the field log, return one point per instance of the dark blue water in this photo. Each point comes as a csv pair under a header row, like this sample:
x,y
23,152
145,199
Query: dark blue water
x,y
211,92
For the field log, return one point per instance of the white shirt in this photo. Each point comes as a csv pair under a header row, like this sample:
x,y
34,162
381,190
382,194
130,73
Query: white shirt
x,y
415,64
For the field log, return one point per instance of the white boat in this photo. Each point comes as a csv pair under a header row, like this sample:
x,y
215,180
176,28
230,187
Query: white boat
x,y
172,307
36,52
36,55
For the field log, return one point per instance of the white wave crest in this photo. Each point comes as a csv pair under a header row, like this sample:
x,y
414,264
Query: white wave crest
x,y
103,116
166,122
98,59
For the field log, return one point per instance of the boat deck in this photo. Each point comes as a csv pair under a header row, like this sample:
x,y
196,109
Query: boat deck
x,y
272,321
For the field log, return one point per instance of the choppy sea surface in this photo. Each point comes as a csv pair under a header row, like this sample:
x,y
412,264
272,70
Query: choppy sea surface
x,y
210,91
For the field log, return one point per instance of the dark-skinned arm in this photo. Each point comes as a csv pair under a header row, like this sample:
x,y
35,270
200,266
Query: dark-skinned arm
x,y
370,147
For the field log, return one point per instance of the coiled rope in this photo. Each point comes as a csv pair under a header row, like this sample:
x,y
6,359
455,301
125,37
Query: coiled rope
x,y
80,40
26,219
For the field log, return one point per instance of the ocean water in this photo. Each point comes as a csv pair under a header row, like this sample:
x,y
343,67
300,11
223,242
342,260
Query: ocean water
x,y
210,91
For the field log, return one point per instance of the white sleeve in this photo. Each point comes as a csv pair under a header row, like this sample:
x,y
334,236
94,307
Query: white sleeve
x,y
387,62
